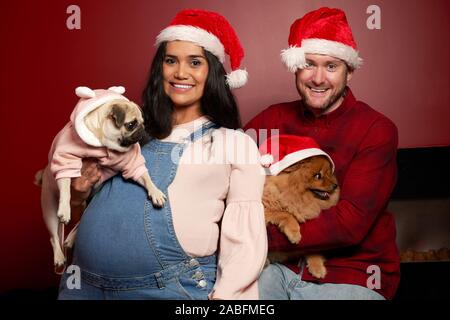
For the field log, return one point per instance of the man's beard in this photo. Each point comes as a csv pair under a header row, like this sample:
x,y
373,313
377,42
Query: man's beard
x,y
327,104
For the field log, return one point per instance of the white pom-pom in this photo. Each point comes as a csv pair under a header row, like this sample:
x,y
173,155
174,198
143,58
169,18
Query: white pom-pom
x,y
266,160
84,92
117,89
293,58
237,78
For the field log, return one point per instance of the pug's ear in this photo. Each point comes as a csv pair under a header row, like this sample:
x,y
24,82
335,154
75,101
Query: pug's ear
x,y
118,115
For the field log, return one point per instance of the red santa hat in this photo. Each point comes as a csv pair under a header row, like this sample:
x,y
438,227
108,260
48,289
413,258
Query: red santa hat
x,y
323,31
89,101
282,151
214,33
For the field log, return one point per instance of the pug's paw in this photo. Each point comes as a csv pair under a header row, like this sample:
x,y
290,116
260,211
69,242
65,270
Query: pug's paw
x,y
158,197
68,243
58,259
64,213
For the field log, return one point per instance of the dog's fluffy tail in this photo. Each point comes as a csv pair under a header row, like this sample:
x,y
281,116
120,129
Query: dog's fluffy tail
x,y
38,178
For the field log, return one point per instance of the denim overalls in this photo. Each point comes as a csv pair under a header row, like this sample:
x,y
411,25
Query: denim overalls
x,y
127,249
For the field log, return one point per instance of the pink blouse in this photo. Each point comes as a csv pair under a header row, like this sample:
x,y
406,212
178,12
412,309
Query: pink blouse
x,y
216,201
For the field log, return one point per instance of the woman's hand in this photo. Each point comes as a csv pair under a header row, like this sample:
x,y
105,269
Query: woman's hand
x,y
81,187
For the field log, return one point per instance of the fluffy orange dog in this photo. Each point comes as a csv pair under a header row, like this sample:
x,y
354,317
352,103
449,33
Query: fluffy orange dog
x,y
298,188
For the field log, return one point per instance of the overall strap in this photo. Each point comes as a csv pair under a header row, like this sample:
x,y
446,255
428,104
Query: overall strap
x,y
159,222
197,134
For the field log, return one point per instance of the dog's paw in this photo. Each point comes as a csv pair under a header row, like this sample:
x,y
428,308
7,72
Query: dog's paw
x,y
317,268
70,240
64,214
58,259
158,198
319,272
290,228
293,234
68,243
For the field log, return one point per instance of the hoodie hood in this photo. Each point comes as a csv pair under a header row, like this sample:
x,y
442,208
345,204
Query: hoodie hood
x,y
89,101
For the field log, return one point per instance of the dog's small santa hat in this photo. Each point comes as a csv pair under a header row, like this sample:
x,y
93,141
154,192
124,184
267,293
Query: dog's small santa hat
x,y
214,33
89,101
282,151
322,31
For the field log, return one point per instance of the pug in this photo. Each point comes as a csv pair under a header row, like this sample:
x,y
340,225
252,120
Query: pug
x,y
104,125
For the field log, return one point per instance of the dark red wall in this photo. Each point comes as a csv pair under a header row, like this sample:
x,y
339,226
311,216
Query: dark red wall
x,y
405,75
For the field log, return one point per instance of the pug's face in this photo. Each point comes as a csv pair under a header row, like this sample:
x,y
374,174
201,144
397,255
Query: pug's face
x,y
118,124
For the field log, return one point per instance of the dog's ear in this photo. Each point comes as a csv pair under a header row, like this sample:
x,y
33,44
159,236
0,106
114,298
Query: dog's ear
x,y
118,115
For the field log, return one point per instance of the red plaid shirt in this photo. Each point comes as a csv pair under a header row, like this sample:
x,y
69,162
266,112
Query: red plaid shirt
x,y
358,232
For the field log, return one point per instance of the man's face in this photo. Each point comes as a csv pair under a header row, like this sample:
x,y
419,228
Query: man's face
x,y
322,82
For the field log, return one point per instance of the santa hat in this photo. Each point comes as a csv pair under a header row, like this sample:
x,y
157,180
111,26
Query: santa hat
x,y
89,101
323,31
212,32
282,151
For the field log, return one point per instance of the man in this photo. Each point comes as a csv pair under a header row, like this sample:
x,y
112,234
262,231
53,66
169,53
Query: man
x,y
357,236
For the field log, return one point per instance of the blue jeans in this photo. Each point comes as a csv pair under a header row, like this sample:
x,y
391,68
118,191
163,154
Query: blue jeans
x,y
178,282
127,249
278,282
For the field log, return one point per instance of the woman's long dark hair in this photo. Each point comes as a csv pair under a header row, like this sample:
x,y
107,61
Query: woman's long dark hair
x,y
217,103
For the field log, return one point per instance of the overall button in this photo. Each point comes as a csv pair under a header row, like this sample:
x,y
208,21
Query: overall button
x,y
193,263
197,275
202,283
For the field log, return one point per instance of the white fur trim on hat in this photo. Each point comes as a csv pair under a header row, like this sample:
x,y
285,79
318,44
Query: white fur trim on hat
x,y
84,92
294,57
295,157
237,78
196,35
333,48
266,160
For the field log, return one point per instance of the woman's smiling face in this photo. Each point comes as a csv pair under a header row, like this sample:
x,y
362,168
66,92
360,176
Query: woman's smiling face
x,y
185,70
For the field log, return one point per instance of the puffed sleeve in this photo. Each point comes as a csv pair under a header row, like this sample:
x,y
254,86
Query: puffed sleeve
x,y
243,239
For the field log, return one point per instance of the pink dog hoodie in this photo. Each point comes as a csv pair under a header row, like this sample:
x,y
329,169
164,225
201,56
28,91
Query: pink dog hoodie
x,y
75,142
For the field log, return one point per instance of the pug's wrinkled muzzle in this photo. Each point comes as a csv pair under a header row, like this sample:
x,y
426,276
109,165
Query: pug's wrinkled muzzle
x,y
136,136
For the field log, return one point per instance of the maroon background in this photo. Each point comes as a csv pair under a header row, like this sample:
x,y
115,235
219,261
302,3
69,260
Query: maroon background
x,y
405,76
